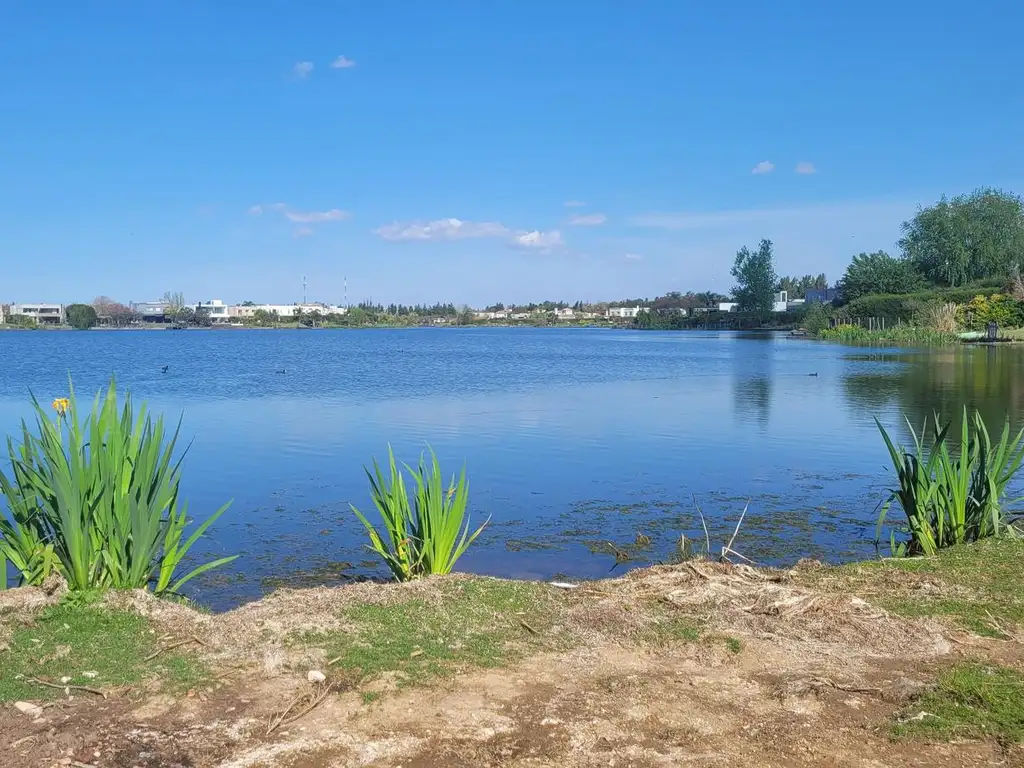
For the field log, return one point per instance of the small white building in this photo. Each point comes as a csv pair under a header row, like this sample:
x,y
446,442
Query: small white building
x,y
781,301
216,309
43,314
565,313
624,313
285,311
728,306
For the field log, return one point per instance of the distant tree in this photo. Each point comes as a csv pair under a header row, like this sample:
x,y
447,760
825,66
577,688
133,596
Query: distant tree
x,y
971,237
754,272
174,301
81,316
357,316
103,305
119,314
709,298
878,272
797,287
248,304
201,317
185,316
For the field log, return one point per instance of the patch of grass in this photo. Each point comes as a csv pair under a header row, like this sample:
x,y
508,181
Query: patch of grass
x,y
669,626
972,701
733,644
71,639
472,623
978,585
369,697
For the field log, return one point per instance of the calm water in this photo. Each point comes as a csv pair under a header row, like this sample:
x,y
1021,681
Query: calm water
x,y
574,439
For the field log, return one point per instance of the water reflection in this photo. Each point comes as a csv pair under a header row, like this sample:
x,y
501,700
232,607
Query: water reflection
x,y
752,368
917,384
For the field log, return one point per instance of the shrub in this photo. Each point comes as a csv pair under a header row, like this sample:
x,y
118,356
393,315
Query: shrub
x,y
816,318
96,500
81,316
952,496
427,536
938,317
1000,308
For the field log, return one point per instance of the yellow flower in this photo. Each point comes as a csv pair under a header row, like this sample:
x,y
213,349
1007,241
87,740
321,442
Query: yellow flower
x,y
61,405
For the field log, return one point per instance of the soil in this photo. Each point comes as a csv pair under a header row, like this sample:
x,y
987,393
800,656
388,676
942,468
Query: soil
x,y
815,680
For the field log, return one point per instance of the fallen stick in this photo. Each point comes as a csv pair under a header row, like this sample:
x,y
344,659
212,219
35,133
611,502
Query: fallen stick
x,y
66,686
172,646
528,627
315,699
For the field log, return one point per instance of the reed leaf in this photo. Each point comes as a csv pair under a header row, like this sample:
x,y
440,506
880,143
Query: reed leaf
x,y
427,535
94,496
951,493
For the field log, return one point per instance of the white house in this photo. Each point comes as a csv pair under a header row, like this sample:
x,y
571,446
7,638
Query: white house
x,y
286,310
624,313
217,310
43,314
728,306
781,301
565,313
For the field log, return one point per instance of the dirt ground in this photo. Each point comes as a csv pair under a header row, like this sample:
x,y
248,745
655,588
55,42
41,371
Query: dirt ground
x,y
784,676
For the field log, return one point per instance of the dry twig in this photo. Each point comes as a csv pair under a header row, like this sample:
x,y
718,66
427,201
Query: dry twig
x,y
66,686
172,646
310,701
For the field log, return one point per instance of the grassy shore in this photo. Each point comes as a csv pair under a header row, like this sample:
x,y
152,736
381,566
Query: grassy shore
x,y
891,639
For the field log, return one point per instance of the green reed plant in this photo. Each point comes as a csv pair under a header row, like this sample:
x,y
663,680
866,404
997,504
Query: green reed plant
x,y
94,496
427,534
952,491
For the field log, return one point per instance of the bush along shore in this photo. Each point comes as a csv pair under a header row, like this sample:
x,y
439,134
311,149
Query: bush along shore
x,y
917,656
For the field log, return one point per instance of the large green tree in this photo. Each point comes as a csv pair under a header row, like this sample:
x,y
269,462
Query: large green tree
x,y
971,237
81,316
879,272
755,279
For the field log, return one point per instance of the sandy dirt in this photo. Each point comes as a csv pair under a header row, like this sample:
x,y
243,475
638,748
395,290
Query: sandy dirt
x,y
816,681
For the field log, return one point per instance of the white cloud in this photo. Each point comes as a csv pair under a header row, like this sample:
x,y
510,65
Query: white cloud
x,y
633,257
342,62
574,204
762,168
256,210
302,69
302,232
441,229
537,240
317,217
589,220
458,229
805,168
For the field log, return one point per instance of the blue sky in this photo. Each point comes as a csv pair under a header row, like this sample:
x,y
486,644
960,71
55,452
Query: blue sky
x,y
474,151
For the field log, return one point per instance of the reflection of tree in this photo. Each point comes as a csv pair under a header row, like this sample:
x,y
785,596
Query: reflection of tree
x,y
987,379
753,355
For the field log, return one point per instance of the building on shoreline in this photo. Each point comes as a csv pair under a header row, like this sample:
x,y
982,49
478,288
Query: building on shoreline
x,y
217,310
42,313
149,311
284,311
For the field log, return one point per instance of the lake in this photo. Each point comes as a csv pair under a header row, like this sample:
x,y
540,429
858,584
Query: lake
x,y
576,441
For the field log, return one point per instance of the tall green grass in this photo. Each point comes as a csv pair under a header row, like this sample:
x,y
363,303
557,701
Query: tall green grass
x,y
93,496
430,533
903,335
952,491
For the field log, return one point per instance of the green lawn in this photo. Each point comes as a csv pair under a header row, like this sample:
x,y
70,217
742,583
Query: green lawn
x,y
91,646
